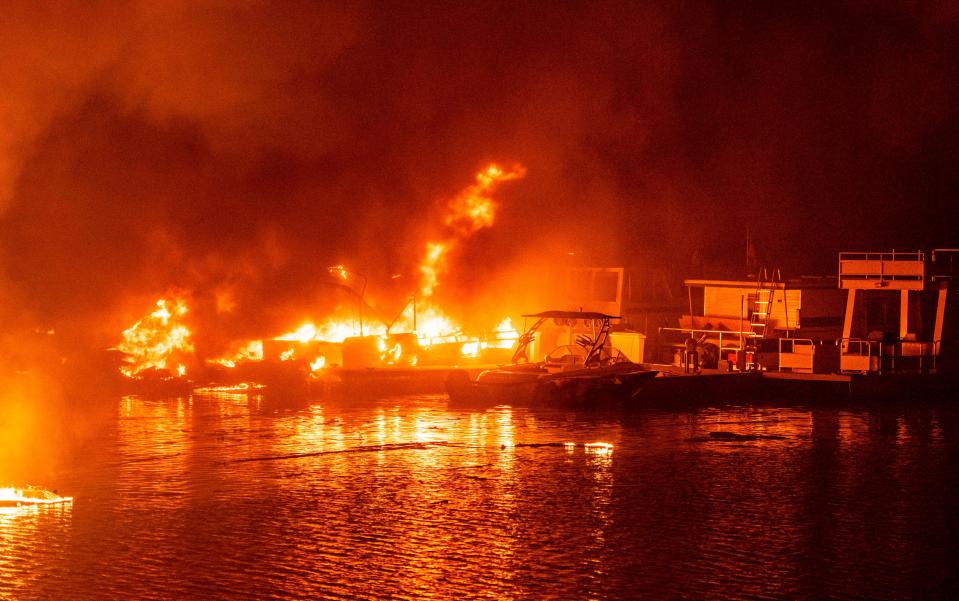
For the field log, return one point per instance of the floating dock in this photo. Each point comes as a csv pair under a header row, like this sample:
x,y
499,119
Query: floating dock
x,y
673,386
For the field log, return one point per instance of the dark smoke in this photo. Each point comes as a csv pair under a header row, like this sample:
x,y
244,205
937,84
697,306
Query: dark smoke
x,y
238,149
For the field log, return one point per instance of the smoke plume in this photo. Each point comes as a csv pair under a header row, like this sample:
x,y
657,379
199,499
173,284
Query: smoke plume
x,y
235,150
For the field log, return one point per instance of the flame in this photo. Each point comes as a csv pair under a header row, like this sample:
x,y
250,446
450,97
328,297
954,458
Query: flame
x,y
390,351
333,330
470,211
251,351
151,342
504,336
473,209
434,262
318,363
433,326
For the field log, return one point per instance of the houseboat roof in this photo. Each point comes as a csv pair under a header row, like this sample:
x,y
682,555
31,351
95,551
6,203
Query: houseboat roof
x,y
792,283
572,315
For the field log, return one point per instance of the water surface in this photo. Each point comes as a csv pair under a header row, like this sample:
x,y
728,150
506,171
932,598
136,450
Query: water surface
x,y
235,496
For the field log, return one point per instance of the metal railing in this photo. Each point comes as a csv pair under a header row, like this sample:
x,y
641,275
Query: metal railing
x,y
861,355
730,336
881,266
791,354
859,347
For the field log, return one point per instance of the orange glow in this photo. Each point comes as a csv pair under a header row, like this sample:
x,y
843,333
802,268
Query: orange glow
x,y
158,341
339,271
318,364
225,302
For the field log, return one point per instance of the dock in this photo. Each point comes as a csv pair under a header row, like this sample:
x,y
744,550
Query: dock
x,y
708,386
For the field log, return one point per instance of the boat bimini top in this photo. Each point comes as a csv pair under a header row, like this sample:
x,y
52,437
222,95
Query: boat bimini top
x,y
594,345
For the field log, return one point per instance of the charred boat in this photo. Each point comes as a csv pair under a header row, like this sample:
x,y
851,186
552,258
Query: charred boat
x,y
587,374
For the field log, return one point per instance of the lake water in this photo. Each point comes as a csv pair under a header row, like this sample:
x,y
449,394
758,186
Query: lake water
x,y
232,496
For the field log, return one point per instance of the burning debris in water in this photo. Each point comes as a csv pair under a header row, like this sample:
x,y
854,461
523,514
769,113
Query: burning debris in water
x,y
29,495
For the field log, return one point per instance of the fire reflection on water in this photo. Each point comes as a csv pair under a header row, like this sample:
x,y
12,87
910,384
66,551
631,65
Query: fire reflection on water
x,y
19,525
405,498
600,458
153,447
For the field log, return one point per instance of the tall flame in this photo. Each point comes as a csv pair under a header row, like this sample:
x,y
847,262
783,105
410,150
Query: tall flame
x,y
160,340
470,211
157,340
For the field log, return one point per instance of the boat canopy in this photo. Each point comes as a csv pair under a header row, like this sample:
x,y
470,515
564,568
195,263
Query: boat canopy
x,y
594,345
572,315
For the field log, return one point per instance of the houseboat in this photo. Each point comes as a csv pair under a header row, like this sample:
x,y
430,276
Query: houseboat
x,y
886,326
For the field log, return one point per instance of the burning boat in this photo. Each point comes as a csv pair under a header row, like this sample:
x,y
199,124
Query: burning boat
x,y
158,352
585,372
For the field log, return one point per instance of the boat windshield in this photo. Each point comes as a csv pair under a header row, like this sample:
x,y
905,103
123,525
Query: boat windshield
x,y
566,355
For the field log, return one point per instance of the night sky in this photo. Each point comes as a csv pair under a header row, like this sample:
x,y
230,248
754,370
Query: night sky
x,y
243,147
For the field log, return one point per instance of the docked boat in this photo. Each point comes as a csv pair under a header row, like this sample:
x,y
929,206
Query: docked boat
x,y
894,339
589,373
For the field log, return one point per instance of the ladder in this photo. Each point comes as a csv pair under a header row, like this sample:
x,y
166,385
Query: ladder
x,y
761,310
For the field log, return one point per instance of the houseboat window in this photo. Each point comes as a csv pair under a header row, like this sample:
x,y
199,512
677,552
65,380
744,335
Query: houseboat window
x,y
586,286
